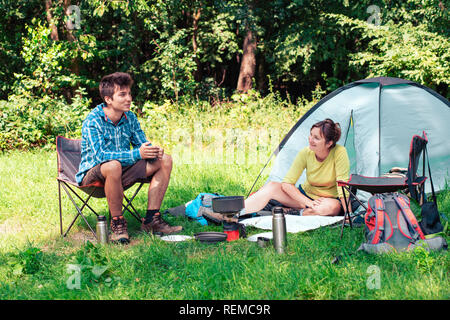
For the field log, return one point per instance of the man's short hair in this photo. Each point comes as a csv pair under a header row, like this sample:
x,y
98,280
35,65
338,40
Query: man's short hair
x,y
108,83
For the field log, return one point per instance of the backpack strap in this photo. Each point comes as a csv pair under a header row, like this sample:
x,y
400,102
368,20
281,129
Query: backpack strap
x,y
409,215
379,216
429,172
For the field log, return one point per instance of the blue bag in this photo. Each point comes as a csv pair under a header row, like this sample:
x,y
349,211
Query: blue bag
x,y
202,200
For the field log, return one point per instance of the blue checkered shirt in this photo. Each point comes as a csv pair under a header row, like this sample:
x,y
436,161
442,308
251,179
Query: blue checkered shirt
x,y
102,140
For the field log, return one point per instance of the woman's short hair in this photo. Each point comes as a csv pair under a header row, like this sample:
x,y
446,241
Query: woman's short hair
x,y
108,83
330,130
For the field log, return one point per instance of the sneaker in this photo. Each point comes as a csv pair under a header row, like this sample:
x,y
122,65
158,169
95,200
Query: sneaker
x,y
119,230
159,225
358,221
294,212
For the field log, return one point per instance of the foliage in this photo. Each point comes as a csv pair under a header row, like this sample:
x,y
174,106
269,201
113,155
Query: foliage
x,y
94,267
149,268
26,261
189,53
401,50
27,122
425,261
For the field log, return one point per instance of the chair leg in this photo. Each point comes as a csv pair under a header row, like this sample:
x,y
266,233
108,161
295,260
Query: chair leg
x,y
85,202
60,208
347,212
79,210
128,204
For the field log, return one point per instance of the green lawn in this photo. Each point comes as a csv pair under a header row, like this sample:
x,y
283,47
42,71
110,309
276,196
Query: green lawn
x,y
36,263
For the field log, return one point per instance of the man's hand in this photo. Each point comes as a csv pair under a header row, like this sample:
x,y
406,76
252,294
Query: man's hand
x,y
151,152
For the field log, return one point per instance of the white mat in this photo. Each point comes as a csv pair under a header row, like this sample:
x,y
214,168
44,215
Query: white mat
x,y
176,238
294,224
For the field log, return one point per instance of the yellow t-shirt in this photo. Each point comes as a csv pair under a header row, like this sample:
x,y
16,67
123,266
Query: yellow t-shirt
x,y
321,177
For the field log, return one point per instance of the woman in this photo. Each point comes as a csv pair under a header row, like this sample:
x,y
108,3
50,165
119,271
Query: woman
x,y
325,163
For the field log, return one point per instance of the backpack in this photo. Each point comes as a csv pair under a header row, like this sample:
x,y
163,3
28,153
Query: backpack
x,y
196,208
392,226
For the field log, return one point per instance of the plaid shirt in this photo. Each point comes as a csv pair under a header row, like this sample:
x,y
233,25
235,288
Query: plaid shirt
x,y
102,140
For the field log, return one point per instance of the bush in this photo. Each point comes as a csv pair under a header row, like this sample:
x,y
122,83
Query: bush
x,y
26,122
246,117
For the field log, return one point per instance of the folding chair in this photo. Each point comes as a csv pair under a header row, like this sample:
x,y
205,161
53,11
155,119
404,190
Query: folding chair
x,y
412,183
69,158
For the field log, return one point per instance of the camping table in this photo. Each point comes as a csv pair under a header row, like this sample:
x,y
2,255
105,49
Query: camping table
x,y
372,185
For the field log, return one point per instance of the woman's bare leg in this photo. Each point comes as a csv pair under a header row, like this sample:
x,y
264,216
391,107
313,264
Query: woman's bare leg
x,y
326,207
271,190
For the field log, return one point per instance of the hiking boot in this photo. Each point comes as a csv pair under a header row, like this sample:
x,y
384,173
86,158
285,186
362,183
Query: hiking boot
x,y
214,217
119,230
159,225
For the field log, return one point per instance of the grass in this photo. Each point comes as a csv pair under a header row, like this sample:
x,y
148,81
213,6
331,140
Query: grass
x,y
36,263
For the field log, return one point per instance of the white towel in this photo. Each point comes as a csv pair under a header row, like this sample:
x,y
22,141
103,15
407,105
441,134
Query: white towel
x,y
294,223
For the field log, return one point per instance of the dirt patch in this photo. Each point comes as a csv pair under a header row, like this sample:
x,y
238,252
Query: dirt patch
x,y
79,238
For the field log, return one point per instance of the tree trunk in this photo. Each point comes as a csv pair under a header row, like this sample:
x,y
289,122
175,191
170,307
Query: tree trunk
x,y
248,63
261,76
54,30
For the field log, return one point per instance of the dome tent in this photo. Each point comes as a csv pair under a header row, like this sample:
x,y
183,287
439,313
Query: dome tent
x,y
378,118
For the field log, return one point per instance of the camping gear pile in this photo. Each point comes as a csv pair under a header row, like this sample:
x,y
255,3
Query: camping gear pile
x,y
217,209
378,117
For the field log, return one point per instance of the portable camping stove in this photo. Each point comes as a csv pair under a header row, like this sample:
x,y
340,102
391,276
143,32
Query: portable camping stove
x,y
229,207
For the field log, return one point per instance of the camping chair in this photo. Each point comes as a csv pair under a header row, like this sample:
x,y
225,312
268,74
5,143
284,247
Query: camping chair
x,y
411,183
69,158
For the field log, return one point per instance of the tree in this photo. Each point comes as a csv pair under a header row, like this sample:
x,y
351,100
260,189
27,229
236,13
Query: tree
x,y
248,61
50,20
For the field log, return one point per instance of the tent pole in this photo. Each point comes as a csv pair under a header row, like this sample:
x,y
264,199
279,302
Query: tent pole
x,y
270,158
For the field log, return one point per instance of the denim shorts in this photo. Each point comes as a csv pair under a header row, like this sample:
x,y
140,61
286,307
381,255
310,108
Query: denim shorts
x,y
303,192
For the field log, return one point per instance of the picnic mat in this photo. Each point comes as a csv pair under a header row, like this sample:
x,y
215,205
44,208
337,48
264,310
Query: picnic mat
x,y
294,223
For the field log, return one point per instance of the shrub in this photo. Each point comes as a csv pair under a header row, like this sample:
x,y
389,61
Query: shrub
x,y
26,122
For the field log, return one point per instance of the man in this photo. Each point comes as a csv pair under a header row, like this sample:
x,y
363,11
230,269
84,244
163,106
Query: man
x,y
106,156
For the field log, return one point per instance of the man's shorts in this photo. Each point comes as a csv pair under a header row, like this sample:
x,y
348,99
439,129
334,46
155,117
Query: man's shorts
x,y
130,174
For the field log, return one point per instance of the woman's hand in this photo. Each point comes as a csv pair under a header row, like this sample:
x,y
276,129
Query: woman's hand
x,y
317,202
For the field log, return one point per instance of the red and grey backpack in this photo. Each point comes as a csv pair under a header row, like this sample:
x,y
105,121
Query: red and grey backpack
x,y
392,226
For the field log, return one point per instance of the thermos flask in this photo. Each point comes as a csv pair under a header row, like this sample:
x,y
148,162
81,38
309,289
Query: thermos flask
x,y
279,229
102,229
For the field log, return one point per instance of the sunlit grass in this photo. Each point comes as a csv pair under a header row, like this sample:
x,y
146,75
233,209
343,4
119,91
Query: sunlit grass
x,y
152,269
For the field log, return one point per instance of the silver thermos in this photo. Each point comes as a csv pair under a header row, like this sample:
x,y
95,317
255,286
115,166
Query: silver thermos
x,y
279,229
102,230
